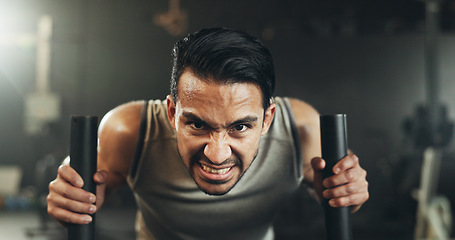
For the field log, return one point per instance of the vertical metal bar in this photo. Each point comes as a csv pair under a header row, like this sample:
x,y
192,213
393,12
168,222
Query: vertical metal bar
x,y
334,148
83,157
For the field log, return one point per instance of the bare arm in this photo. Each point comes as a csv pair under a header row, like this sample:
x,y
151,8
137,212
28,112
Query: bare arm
x,y
307,120
118,133
348,186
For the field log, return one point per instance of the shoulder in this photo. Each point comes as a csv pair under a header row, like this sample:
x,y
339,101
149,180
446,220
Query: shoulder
x,y
307,120
304,113
118,134
124,119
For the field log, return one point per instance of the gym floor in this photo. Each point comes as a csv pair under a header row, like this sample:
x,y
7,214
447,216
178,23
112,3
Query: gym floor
x,y
111,225
27,226
116,222
119,225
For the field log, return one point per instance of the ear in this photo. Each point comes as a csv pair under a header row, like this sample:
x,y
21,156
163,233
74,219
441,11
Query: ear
x,y
268,118
170,110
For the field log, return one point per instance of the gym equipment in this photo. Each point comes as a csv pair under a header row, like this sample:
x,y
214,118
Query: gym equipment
x,y
434,220
334,148
83,155
431,131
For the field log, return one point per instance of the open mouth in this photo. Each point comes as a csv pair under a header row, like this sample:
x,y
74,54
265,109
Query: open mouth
x,y
215,171
218,174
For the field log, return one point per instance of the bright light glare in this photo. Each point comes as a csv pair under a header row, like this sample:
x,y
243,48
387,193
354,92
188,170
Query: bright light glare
x,y
12,31
8,18
21,40
17,44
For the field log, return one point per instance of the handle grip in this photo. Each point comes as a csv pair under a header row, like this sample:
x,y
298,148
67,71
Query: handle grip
x,y
334,148
83,156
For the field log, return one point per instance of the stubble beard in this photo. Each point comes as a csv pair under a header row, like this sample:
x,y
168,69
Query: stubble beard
x,y
200,157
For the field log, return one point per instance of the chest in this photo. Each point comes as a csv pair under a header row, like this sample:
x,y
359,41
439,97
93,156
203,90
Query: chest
x,y
168,196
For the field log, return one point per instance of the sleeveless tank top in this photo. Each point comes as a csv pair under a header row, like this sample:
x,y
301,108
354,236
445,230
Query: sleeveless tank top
x,y
171,206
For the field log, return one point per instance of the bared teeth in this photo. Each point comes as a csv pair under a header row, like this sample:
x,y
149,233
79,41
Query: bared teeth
x,y
215,171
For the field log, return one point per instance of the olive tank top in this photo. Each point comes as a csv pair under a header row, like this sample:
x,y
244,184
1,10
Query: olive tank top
x,y
171,206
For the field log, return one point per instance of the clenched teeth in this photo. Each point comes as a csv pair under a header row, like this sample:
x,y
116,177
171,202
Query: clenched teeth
x,y
215,171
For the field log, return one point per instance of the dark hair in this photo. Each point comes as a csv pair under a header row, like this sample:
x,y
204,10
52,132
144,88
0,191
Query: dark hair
x,y
226,56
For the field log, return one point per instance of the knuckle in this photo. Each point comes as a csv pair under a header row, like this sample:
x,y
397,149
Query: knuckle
x,y
349,175
50,209
344,165
52,185
66,193
339,202
327,194
355,158
330,182
61,169
364,187
350,189
49,199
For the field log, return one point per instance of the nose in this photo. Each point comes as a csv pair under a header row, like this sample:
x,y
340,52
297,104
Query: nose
x,y
217,148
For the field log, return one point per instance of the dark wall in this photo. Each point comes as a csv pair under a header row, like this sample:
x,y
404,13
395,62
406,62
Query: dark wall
x,y
109,52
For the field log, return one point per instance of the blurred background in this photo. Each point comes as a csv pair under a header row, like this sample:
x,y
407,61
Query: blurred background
x,y
388,64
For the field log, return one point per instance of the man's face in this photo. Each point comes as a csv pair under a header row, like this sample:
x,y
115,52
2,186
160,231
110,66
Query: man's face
x,y
218,128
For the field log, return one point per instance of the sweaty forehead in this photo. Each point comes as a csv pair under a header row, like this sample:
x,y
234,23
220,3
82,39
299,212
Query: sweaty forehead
x,y
189,85
193,89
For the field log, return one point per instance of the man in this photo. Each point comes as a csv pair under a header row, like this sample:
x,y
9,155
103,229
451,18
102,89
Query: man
x,y
218,157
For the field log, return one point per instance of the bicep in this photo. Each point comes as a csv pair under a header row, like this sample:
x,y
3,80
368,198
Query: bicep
x,y
118,135
307,120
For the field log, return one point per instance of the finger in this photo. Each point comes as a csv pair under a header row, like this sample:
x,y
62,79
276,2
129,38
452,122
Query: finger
x,y
349,176
66,216
350,200
346,163
100,177
100,194
346,190
66,190
317,163
59,202
70,175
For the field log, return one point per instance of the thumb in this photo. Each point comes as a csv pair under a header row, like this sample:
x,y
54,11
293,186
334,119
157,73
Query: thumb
x,y
318,164
100,179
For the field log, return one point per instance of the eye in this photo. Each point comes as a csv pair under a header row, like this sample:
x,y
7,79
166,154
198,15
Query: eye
x,y
240,127
196,125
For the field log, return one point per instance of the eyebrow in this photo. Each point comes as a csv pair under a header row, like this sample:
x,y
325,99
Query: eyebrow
x,y
193,117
